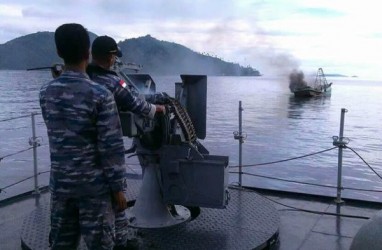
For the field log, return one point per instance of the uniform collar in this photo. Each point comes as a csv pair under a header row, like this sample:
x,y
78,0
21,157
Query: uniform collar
x,y
94,68
70,73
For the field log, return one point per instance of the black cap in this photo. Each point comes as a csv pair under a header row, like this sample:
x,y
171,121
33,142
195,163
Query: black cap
x,y
104,45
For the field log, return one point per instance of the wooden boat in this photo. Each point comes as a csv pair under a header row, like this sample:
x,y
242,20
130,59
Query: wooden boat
x,y
320,88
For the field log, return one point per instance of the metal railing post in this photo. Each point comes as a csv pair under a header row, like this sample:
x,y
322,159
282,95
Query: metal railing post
x,y
34,143
238,135
340,143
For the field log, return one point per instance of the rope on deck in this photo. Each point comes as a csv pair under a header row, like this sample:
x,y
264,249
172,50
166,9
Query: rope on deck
x,y
290,159
18,152
27,178
308,183
367,164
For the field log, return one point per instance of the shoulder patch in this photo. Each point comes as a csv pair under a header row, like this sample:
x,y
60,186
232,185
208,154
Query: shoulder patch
x,y
122,83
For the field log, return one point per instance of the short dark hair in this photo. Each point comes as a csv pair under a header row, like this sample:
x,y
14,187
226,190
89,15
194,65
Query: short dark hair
x,y
72,43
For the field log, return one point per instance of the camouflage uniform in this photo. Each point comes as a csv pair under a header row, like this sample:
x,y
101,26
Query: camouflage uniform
x,y
125,98
87,160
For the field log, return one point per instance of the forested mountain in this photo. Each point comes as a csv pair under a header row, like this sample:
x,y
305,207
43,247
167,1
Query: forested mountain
x,y
157,57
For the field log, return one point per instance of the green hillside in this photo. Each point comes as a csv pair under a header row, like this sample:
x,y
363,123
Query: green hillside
x,y
157,57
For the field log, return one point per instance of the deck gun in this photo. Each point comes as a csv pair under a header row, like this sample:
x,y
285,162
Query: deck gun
x,y
177,169
179,174
55,69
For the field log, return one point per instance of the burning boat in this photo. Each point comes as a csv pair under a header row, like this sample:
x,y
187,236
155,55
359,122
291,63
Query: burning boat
x,y
301,89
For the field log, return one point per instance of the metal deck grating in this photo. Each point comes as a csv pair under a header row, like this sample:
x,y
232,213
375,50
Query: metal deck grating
x,y
249,222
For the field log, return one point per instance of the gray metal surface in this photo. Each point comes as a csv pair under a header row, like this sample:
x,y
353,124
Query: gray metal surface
x,y
35,229
194,90
149,210
248,222
192,179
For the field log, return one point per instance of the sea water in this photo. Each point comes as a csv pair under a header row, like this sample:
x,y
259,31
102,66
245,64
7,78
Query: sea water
x,y
276,125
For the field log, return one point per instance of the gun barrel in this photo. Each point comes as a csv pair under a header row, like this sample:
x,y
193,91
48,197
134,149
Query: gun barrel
x,y
39,68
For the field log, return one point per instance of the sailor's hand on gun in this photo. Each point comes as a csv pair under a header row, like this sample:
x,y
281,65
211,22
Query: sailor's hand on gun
x,y
120,201
160,109
162,98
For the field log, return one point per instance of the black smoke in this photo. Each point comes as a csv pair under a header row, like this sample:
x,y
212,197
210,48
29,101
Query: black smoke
x,y
296,80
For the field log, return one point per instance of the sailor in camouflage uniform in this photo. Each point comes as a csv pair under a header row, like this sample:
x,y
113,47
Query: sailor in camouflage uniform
x,y
104,53
86,149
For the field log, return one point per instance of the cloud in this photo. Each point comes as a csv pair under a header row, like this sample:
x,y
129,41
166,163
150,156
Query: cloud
x,y
9,11
32,12
264,34
321,12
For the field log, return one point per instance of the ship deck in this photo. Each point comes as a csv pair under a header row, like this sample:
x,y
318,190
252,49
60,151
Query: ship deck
x,y
254,219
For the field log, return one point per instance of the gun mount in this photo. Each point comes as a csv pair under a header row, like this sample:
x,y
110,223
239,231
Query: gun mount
x,y
178,171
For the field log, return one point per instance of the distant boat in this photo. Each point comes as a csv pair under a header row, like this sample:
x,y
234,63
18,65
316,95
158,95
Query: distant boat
x,y
320,88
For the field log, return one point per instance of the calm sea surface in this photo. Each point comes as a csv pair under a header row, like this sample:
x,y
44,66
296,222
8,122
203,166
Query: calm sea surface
x,y
277,127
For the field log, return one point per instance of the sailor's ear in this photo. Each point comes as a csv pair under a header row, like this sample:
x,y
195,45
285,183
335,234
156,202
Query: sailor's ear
x,y
111,58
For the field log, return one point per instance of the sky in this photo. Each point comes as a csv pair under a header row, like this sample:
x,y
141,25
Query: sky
x,y
274,36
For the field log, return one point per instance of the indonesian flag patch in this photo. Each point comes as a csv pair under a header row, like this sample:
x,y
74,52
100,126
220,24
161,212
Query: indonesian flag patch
x,y
123,84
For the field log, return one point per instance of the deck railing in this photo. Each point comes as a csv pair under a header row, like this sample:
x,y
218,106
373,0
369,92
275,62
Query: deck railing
x,y
339,142
34,143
